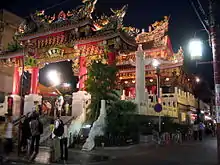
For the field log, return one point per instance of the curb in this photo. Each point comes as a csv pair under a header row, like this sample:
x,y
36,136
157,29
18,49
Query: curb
x,y
113,148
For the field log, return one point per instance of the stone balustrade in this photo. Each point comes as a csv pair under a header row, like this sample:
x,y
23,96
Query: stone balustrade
x,y
170,103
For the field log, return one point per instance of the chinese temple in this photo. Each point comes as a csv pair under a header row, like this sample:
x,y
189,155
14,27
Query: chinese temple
x,y
157,45
79,37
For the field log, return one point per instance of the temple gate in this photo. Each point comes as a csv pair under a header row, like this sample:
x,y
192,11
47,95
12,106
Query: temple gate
x,y
79,37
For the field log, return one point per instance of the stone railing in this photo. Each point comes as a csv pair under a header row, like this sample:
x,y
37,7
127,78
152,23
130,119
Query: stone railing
x,y
185,98
169,102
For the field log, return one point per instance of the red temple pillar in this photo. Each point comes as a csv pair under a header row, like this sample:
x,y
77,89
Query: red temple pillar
x,y
34,80
16,81
82,72
111,57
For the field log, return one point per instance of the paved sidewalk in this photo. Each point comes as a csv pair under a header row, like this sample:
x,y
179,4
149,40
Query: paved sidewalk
x,y
118,152
96,156
188,153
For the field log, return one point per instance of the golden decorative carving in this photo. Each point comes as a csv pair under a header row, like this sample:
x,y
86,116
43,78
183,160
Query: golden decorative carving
x,y
157,32
75,66
11,62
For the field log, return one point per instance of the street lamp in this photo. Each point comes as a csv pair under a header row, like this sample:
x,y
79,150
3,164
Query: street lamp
x,y
54,77
197,80
156,64
195,48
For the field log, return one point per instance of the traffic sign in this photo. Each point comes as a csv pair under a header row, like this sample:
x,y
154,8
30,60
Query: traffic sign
x,y
158,108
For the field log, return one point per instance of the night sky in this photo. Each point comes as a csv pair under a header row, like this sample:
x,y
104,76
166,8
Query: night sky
x,y
141,13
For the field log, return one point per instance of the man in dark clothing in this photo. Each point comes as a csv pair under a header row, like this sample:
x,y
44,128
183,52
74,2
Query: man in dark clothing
x,y
64,143
35,136
26,132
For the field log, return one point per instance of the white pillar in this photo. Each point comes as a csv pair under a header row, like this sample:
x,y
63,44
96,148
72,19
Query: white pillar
x,y
140,77
123,95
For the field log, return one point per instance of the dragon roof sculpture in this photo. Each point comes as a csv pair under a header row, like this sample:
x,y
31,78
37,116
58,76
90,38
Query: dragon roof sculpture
x,y
157,32
40,22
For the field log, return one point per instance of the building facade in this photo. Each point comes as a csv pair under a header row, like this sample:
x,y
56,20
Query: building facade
x,y
78,37
9,23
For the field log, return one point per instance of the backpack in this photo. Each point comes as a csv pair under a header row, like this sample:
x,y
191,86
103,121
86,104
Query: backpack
x,y
41,128
60,130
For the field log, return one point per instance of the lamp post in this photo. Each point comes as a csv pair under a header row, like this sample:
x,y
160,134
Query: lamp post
x,y
156,64
198,111
214,30
214,36
195,48
22,99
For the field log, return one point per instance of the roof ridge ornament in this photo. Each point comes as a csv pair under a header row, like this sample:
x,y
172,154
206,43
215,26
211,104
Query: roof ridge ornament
x,y
139,49
157,31
40,20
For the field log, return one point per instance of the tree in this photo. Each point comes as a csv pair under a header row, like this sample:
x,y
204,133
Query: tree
x,y
100,83
121,119
14,45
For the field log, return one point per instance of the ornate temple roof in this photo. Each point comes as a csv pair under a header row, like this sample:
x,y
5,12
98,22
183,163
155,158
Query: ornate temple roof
x,y
156,45
78,27
39,24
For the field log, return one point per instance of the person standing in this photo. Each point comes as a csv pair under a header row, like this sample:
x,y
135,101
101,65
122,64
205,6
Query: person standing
x,y
36,128
56,136
67,108
201,130
195,130
26,133
60,104
37,107
63,144
9,134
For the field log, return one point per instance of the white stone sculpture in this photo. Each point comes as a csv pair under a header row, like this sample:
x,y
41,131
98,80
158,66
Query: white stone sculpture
x,y
140,78
97,129
80,103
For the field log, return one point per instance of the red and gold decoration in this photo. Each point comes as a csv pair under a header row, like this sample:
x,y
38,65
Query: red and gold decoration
x,y
75,36
156,34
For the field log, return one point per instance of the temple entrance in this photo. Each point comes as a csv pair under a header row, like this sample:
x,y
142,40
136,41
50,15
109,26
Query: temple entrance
x,y
43,61
53,87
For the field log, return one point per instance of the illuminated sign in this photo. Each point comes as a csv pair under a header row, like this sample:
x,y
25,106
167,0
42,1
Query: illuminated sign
x,y
55,52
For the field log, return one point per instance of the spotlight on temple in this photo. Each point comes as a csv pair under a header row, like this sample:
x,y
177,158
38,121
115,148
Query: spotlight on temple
x,y
66,85
54,77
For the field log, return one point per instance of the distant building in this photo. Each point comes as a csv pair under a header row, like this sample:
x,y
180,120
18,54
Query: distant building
x,y
9,23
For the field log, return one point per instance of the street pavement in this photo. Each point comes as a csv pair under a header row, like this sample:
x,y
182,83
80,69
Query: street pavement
x,y
191,153
188,153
